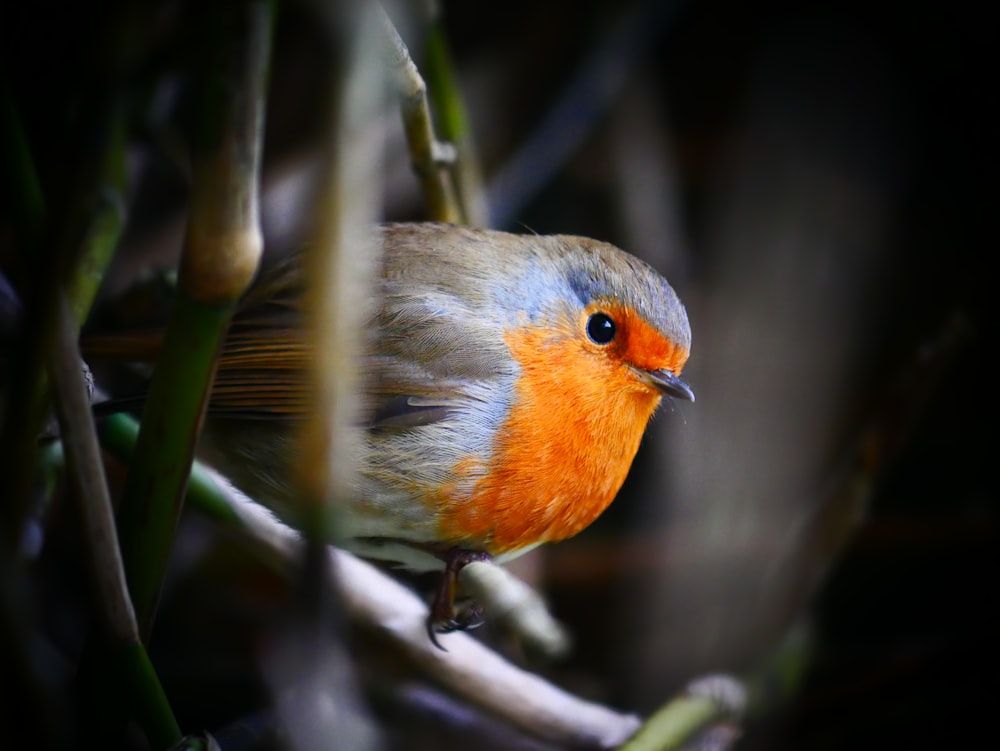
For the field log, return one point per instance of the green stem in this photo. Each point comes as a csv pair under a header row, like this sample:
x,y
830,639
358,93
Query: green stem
x,y
23,188
151,503
145,696
221,250
106,218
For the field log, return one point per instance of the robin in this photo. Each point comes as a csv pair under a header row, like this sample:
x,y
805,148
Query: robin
x,y
506,386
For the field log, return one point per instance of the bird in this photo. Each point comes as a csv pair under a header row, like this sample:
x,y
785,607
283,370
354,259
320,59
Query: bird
x,y
505,386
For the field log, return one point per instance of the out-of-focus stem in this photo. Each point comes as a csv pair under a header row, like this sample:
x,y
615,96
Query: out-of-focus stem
x,y
706,701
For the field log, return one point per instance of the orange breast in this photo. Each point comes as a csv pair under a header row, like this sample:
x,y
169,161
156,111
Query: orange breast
x,y
574,427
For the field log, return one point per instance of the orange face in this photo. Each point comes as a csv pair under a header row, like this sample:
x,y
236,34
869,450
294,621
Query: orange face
x,y
636,343
579,411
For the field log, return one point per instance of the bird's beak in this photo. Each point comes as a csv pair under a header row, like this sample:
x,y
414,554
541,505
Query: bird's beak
x,y
667,383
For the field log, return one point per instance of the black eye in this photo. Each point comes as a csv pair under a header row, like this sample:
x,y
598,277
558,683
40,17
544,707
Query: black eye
x,y
600,328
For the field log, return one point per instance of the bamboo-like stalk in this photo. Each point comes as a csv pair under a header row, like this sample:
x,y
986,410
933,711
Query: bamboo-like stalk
x,y
221,252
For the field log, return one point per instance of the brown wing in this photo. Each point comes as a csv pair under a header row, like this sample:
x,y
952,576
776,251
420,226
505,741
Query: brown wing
x,y
262,374
427,343
263,364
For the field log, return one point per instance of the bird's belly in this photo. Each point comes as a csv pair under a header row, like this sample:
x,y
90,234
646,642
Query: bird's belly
x,y
538,492
561,454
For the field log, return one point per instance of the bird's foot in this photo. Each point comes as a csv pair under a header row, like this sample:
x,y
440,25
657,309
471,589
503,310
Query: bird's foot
x,y
445,617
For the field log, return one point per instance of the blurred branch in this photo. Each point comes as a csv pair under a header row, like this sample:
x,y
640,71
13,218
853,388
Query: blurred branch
x,y
83,460
99,200
798,236
578,110
705,702
826,526
515,607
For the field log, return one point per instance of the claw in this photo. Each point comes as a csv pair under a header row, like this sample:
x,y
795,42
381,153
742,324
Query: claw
x,y
443,617
432,632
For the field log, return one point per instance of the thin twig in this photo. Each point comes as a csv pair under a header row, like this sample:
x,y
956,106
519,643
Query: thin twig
x,y
83,458
431,157
453,121
111,598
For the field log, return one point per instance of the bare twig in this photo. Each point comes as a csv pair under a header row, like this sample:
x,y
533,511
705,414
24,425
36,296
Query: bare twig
x,y
453,120
83,457
516,607
111,597
430,156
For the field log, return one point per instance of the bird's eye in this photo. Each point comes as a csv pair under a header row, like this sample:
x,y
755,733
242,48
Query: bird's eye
x,y
600,328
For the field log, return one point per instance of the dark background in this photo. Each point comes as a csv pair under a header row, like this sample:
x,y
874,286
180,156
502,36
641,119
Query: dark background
x,y
818,183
